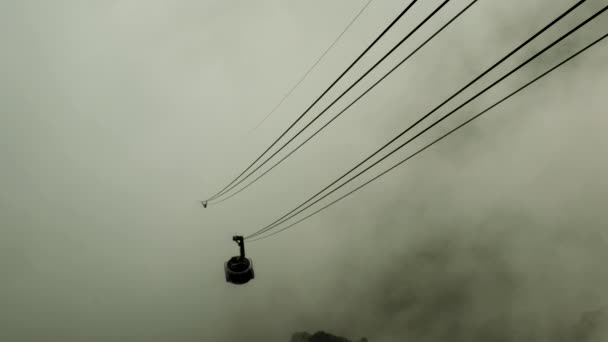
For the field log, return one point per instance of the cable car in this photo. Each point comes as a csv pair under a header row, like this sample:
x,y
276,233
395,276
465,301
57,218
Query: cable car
x,y
204,203
239,269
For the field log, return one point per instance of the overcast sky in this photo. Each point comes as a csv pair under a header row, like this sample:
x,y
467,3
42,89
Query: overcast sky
x,y
116,117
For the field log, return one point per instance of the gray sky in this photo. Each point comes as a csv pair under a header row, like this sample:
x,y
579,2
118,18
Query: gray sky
x,y
116,117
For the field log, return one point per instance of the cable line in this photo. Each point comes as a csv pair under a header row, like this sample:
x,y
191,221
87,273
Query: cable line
x,y
353,102
428,114
338,98
437,140
285,217
313,66
317,100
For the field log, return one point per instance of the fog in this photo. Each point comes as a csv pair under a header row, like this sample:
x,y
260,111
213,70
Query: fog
x,y
117,117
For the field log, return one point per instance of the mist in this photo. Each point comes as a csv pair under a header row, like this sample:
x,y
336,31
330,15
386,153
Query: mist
x,y
117,117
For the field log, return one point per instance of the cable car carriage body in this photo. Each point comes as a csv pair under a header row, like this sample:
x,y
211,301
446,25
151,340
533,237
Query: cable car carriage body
x,y
239,269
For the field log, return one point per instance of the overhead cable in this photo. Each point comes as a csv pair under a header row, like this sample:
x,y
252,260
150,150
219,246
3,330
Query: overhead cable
x,y
353,102
314,65
335,101
436,140
291,213
317,100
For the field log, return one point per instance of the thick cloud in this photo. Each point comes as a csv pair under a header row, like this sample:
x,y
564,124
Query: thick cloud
x,y
116,117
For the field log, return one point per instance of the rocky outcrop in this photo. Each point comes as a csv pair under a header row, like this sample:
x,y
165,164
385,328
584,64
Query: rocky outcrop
x,y
320,336
592,327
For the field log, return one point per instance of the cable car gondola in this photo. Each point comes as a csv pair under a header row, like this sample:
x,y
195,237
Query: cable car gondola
x,y
239,269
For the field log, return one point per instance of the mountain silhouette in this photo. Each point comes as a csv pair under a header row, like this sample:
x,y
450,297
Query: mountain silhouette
x,y
320,336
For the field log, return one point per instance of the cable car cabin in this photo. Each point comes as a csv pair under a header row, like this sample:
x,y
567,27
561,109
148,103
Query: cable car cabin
x,y
239,269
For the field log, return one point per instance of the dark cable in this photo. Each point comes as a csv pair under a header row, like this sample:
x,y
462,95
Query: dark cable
x,y
437,140
338,98
278,221
353,102
318,99
312,67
